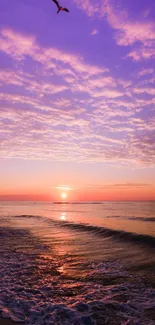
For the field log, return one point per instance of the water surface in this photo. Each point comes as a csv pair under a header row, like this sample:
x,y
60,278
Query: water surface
x,y
80,264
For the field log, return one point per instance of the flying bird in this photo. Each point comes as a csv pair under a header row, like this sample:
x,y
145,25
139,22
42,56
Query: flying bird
x,y
59,7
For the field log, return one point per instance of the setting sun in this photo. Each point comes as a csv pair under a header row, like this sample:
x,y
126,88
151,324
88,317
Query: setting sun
x,y
63,196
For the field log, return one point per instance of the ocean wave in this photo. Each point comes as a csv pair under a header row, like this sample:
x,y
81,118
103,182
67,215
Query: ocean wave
x,y
145,219
115,234
122,235
34,293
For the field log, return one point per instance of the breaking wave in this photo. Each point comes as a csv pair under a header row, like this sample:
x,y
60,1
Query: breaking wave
x,y
115,234
121,235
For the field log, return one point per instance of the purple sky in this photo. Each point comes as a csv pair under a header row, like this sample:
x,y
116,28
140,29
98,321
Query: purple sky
x,y
77,95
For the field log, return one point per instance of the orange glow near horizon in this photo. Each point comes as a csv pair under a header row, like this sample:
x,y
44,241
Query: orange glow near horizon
x,y
93,193
81,192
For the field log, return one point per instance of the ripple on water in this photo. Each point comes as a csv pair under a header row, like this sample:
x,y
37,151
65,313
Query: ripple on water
x,y
35,289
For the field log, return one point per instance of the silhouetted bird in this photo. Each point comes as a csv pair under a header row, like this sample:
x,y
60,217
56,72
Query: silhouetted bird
x,y
59,7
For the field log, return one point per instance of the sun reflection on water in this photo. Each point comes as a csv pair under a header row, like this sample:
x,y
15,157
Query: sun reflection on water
x,y
63,216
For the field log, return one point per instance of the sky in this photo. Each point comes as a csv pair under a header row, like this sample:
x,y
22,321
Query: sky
x,y
77,100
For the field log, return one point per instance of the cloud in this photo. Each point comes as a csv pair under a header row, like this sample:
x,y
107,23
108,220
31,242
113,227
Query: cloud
x,y
109,93
143,144
123,185
133,185
19,46
90,8
64,187
10,77
145,72
150,91
143,53
94,32
139,32
132,32
68,109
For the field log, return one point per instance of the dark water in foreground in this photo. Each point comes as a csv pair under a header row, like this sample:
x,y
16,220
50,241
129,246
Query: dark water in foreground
x,y
78,263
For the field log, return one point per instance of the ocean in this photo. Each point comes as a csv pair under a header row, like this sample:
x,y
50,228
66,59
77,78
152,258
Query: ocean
x,y
78,263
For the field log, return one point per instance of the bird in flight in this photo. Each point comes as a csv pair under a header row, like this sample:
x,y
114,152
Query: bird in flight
x,y
59,7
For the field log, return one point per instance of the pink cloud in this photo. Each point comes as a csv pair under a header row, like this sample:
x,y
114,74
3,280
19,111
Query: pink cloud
x,y
132,32
109,93
150,91
90,8
94,32
145,72
10,77
127,31
143,53
101,82
18,46
94,120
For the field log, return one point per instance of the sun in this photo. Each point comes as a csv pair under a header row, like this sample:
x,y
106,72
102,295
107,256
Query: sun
x,y
63,195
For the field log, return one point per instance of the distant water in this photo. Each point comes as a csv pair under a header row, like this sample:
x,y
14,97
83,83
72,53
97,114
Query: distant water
x,y
130,216
80,264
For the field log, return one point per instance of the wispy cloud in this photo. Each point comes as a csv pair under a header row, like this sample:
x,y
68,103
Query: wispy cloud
x,y
19,46
121,185
68,109
94,32
64,187
139,33
146,72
